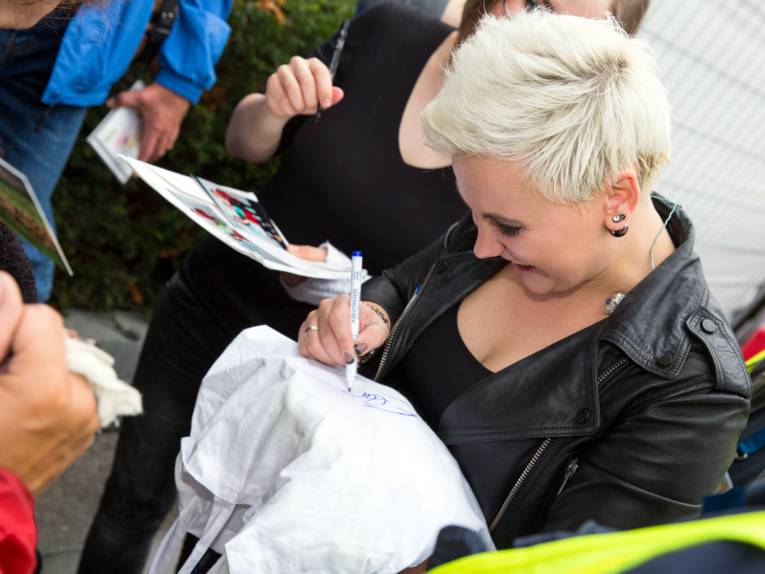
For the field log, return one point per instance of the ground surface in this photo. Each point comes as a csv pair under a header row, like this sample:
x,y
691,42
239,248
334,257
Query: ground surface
x,y
65,511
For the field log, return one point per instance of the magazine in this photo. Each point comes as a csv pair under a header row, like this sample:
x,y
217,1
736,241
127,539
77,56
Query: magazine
x,y
235,217
20,211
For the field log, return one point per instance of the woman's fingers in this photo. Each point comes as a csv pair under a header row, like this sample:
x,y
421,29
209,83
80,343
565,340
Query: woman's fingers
x,y
326,333
276,99
301,87
309,344
373,331
291,87
323,82
305,79
337,95
308,252
339,320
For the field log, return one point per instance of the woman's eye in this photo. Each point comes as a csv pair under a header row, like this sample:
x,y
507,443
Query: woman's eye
x,y
507,230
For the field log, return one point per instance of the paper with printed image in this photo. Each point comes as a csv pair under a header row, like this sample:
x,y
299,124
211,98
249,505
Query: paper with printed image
x,y
253,240
21,211
119,133
243,210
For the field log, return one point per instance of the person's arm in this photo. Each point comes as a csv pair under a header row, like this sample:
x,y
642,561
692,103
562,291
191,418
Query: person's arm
x,y
256,130
18,534
297,88
186,69
48,416
657,462
325,335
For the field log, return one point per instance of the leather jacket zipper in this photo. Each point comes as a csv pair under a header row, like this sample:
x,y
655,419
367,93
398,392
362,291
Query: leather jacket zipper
x,y
518,483
604,376
570,470
394,329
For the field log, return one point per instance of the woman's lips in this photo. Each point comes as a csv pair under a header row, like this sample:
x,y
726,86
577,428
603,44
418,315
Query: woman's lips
x,y
524,267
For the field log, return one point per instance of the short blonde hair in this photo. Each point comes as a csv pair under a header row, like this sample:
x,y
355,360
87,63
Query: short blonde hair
x,y
575,100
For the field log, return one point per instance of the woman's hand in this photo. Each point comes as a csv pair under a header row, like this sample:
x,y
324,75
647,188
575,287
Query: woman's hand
x,y
256,126
300,87
325,335
307,252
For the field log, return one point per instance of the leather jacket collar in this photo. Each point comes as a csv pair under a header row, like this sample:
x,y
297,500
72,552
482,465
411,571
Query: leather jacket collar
x,y
654,326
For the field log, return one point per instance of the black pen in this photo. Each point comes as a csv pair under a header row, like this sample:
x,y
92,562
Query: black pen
x,y
335,61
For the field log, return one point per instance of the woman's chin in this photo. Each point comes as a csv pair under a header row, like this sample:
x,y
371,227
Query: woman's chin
x,y
536,282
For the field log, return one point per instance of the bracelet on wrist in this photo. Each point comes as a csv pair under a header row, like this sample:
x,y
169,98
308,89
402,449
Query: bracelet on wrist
x,y
377,311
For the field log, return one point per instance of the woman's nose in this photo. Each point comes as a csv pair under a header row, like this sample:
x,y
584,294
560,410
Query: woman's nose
x,y
486,245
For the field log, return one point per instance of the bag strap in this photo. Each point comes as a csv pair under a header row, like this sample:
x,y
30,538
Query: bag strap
x,y
159,28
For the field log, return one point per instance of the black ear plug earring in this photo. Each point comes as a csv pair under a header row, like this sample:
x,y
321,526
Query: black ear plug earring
x,y
622,231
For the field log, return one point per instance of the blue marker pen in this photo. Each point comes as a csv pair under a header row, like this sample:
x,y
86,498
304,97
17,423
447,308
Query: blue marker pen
x,y
357,267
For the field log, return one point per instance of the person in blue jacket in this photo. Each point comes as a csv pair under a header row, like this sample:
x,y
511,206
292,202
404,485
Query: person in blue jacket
x,y
69,61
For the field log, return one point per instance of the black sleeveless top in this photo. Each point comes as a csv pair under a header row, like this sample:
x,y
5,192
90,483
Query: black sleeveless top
x,y
343,177
439,367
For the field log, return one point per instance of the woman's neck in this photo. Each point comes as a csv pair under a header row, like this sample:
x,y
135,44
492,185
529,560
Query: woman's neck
x,y
647,245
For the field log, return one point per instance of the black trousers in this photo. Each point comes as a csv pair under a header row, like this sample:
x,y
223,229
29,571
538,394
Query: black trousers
x,y
216,294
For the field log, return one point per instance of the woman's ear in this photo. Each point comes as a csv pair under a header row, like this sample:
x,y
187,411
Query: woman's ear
x,y
622,199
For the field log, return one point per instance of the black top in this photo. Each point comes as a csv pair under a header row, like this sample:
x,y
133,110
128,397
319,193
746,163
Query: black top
x,y
343,178
439,367
627,405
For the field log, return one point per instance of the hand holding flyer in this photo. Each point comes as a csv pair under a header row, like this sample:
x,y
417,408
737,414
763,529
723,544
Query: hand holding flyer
x,y
235,217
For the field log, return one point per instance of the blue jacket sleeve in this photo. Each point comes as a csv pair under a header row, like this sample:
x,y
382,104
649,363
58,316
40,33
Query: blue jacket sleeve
x,y
195,44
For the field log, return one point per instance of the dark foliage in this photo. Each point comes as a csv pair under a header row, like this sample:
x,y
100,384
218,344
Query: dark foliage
x,y
125,242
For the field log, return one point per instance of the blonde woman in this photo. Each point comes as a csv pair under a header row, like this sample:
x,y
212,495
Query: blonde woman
x,y
561,338
362,176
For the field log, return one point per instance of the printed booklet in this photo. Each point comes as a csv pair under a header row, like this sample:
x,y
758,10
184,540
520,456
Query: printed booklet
x,y
21,212
235,217
119,133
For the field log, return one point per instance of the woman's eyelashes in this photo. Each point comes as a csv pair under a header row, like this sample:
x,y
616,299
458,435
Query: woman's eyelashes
x,y
506,230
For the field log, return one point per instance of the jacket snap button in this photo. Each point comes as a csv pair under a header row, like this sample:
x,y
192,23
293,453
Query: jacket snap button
x,y
441,266
664,360
708,326
582,417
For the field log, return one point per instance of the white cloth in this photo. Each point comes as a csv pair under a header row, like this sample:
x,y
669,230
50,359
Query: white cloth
x,y
115,397
286,471
313,290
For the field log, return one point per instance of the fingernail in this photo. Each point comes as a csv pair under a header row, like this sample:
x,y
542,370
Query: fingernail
x,y
348,358
361,348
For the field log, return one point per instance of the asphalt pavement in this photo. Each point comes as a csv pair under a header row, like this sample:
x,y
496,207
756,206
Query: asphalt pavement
x,y
65,511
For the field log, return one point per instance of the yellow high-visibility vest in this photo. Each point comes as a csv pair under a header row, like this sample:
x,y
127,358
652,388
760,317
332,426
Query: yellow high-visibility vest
x,y
612,553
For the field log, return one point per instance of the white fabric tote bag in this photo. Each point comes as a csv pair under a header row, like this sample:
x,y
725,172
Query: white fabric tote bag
x,y
287,471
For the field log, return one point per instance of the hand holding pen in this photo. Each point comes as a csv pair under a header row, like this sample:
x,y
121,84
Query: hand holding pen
x,y
357,271
302,87
326,335
335,61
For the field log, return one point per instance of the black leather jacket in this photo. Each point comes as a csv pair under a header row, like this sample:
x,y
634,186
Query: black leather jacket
x,y
630,428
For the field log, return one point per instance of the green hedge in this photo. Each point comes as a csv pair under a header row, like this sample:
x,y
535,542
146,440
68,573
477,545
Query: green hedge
x,y
125,242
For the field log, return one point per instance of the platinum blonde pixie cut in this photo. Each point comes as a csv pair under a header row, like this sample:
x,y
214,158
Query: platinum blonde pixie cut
x,y
574,100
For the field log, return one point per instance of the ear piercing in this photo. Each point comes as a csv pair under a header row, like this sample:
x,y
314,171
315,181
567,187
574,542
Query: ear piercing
x,y
618,219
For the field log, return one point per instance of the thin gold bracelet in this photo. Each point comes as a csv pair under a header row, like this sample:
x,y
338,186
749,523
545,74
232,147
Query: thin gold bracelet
x,y
376,309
